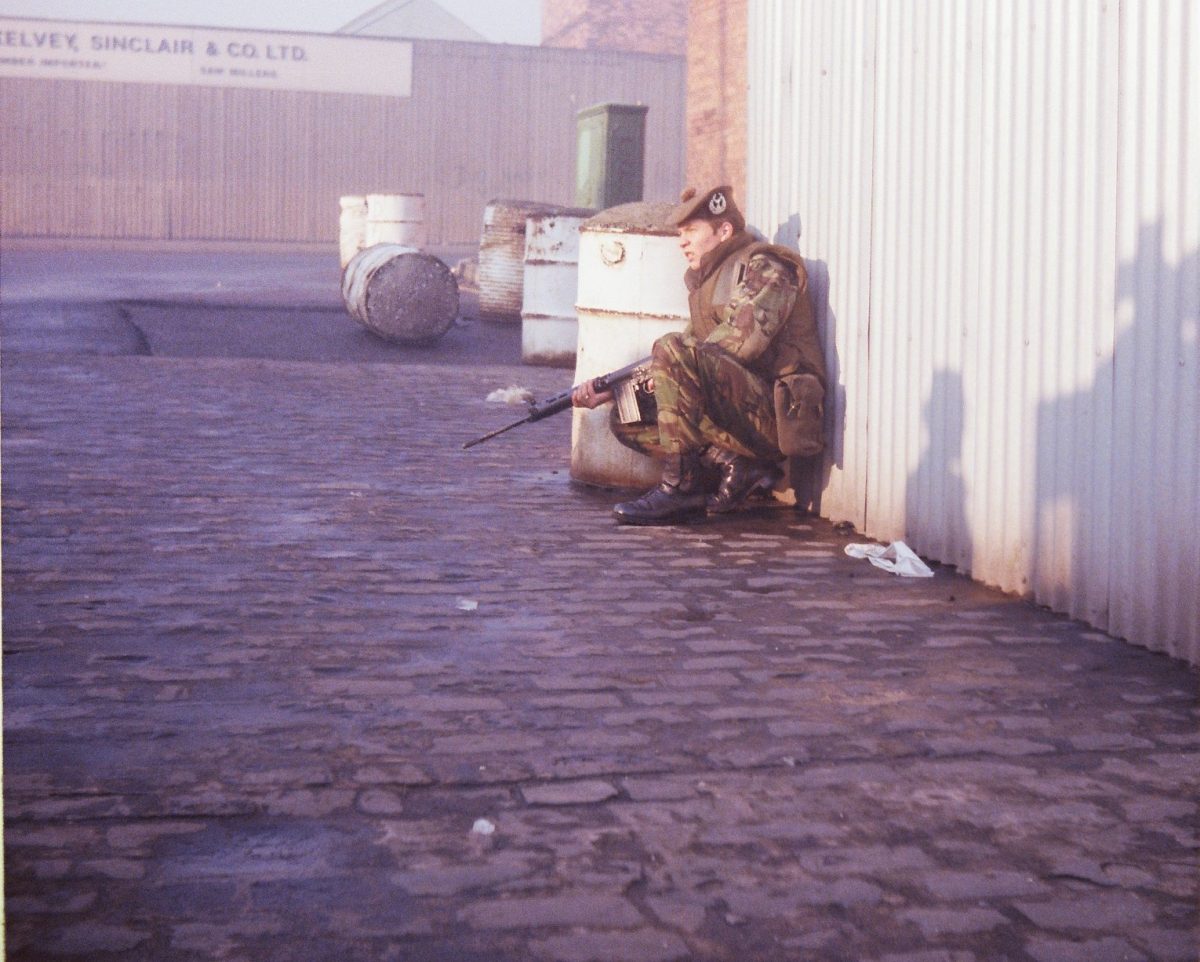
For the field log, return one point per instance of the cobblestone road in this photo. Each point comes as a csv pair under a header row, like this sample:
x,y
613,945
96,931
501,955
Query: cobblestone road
x,y
287,675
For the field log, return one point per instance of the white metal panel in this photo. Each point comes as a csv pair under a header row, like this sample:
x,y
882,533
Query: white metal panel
x,y
1025,277
810,152
549,326
352,226
1155,578
989,309
1070,368
916,396
395,219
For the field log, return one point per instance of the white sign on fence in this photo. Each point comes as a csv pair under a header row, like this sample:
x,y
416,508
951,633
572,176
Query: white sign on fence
x,y
135,53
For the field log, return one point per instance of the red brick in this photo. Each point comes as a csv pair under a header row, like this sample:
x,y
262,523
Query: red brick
x,y
717,93
642,26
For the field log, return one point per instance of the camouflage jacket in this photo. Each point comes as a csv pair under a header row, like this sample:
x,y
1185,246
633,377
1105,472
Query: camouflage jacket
x,y
751,298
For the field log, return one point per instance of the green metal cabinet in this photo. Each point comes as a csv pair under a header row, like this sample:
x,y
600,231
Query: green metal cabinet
x,y
610,157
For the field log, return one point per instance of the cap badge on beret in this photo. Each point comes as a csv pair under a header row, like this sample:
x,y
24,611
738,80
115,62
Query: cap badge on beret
x,y
711,203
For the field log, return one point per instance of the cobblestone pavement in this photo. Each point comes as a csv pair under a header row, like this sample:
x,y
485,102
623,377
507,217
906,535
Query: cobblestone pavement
x,y
288,675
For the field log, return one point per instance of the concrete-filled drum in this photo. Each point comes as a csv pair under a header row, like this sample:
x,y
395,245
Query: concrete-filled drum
x,y
501,272
631,293
400,293
395,219
549,328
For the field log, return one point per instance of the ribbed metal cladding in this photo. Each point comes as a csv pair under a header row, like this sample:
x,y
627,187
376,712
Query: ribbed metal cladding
x,y
143,161
998,195
810,122
1155,584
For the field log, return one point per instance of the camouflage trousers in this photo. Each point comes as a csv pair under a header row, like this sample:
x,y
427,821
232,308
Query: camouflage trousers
x,y
705,396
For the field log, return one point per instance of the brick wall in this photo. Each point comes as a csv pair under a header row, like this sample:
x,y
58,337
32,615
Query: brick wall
x,y
642,26
717,94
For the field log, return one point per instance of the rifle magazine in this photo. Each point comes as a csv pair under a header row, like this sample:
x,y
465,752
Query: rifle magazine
x,y
635,400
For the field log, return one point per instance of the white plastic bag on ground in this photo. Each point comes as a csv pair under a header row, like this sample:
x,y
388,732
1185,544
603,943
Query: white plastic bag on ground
x,y
897,557
513,394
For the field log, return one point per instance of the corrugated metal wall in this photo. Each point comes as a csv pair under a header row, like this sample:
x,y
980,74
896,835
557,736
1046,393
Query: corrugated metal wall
x,y
106,160
810,148
1000,201
1156,362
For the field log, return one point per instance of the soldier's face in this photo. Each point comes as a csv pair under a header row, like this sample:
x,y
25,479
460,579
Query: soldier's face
x,y
698,237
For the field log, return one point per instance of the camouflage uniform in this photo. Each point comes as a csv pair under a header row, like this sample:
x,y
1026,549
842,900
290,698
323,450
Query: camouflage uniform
x,y
751,323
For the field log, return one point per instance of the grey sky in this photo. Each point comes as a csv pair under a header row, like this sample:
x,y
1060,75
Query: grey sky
x,y
504,21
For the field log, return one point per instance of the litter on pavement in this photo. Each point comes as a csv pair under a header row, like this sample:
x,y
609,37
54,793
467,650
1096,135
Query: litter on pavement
x,y
897,557
510,395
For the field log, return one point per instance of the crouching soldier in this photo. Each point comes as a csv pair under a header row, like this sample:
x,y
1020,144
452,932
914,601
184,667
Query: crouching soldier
x,y
742,387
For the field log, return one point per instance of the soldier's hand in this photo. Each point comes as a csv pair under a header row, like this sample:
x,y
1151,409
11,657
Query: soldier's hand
x,y
585,396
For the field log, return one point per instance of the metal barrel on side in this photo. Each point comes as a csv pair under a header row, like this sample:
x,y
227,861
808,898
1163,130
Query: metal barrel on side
x,y
400,293
631,293
395,219
549,328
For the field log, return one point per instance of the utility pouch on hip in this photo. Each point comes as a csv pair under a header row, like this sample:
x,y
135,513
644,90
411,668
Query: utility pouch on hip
x,y
799,414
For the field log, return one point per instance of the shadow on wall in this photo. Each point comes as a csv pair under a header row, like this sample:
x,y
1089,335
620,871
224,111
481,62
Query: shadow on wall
x,y
936,484
810,476
1118,465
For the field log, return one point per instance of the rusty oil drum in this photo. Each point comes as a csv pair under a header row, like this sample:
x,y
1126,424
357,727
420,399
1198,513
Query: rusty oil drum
x,y
501,272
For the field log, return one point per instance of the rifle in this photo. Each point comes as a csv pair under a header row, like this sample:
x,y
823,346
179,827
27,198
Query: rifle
x,y
627,382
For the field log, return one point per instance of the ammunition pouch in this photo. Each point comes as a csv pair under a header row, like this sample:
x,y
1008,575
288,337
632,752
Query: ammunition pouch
x,y
800,415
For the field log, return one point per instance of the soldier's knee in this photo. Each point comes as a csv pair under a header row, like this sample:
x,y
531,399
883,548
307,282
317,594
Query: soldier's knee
x,y
641,436
668,348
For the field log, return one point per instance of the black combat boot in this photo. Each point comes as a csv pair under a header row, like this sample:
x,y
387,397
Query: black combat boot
x,y
678,499
740,477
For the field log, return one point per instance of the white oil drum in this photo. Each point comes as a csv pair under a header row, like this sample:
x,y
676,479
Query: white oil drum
x,y
631,293
395,219
549,329
501,272
352,226
400,293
